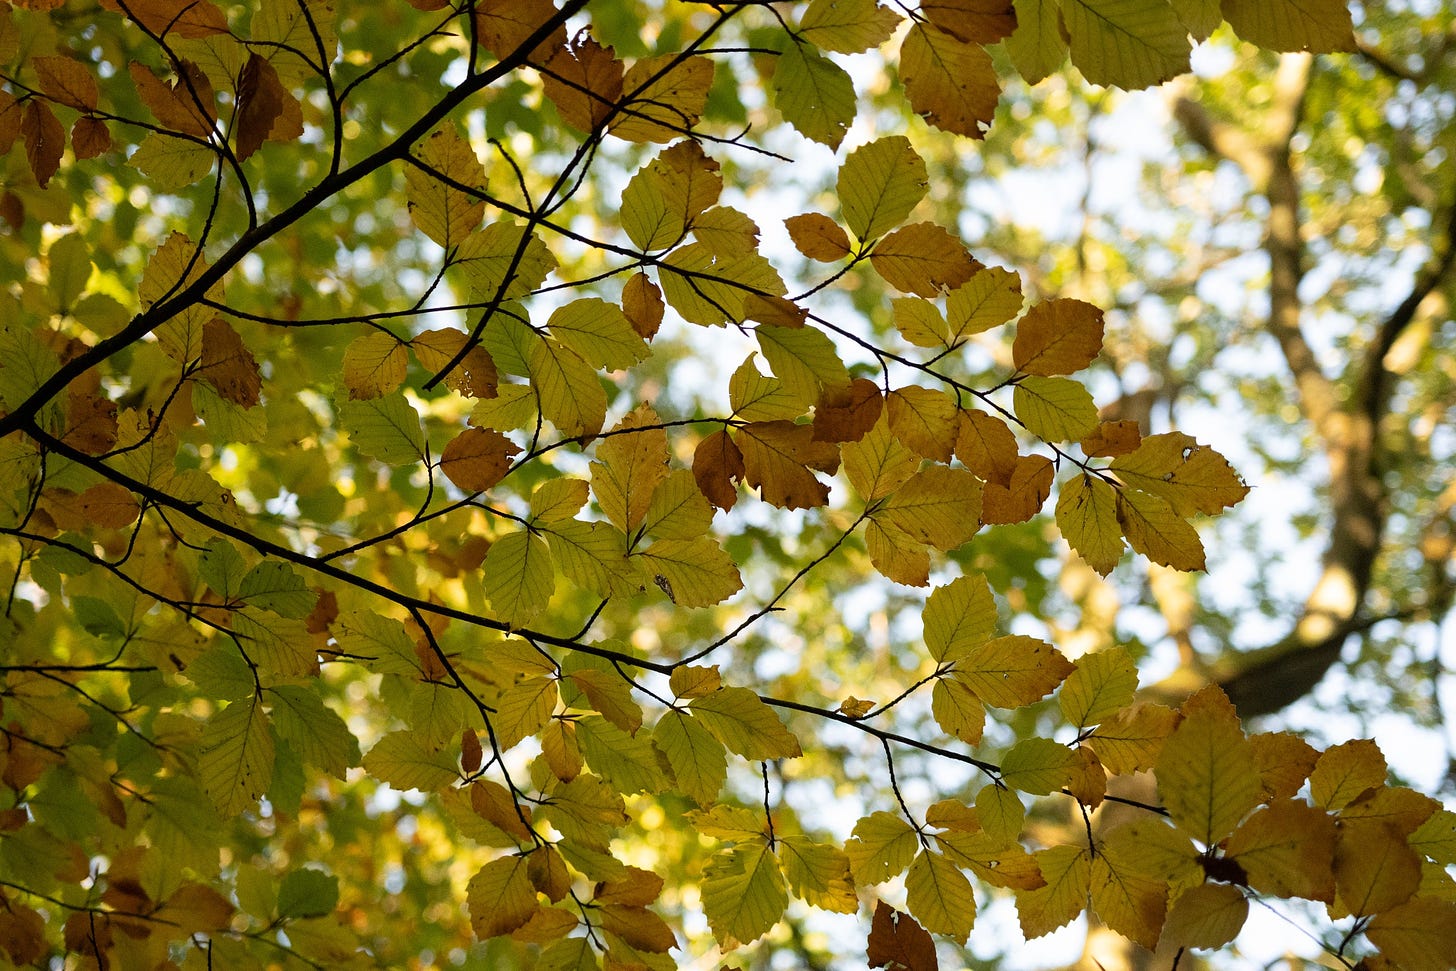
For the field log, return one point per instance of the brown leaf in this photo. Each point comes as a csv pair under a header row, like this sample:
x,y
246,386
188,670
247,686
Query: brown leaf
x,y
949,82
923,259
1057,337
924,419
1112,438
89,137
584,81
477,458
818,237
106,504
717,466
897,940
180,18
10,115
777,458
90,422
475,376
976,21
260,103
987,446
502,26
188,106
642,303
65,81
1030,485
848,413
22,934
45,140
228,365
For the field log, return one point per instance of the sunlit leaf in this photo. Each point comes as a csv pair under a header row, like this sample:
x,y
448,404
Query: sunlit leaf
x,y
879,184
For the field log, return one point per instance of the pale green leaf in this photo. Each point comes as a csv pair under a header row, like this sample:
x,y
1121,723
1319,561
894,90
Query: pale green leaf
x,y
743,893
814,94
627,762
879,185
1087,516
1055,409
381,643
1153,529
598,331
236,761
1320,26
385,428
523,709
878,464
313,729
803,358
1001,813
502,261
818,874
1104,682
938,506
169,160
988,299
882,847
959,617
1037,47
678,509
274,586
695,573
403,761
1126,43
758,397
518,575
847,26
1037,765
698,760
743,723
939,895
593,556
571,396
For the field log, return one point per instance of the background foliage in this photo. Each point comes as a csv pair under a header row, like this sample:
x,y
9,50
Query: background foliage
x,y
606,486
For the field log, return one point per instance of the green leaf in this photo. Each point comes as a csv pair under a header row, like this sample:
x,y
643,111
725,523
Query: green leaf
x,y
1001,813
743,894
523,709
628,762
818,874
878,464
502,261
518,575
403,761
382,643
695,573
1153,529
879,185
307,892
274,586
938,506
939,896
630,465
275,643
1126,43
313,730
957,710
500,897
1104,682
743,723
1037,47
959,617
1319,26
69,268
593,556
1055,409
1037,765
571,396
222,568
1012,671
815,95
882,847
757,397
803,358
385,428
598,331
698,760
236,762
173,161
678,509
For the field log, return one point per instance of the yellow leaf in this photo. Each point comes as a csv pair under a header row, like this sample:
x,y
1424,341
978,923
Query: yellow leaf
x,y
1012,671
694,573
631,461
1153,529
743,894
1190,477
1022,498
896,554
1319,26
557,499
606,692
1375,869
173,161
1436,837
1037,46
1126,44
743,723
1417,936
818,237
698,760
729,823
958,618
1206,775
1068,875
878,464
236,762
986,446
1088,779
939,896
176,265
1103,683
755,397
663,97
923,259
777,458
1205,917
920,322
925,419
503,260
518,576
882,847
803,358
442,211
1132,739
501,897
477,458
813,93
1037,765
1054,409
1057,337
1001,813
999,864
1113,438
949,82
594,556
709,287
678,509
879,184
818,874
1345,771
598,331
627,762
571,396
402,760
847,26
1284,761
1129,900
1087,517
1153,847
937,506
475,376
989,299
957,710
1285,849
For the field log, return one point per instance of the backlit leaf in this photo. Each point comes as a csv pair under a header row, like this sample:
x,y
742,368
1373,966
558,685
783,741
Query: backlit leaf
x,y
1192,478
986,446
958,618
1320,26
1345,771
778,459
1131,740
937,506
815,95
818,874
743,893
665,97
445,212
1286,849
571,397
236,761
847,26
403,761
923,259
1206,917
1068,875
925,419
1037,46
1206,775
1153,529
374,364
803,358
957,710
879,184
818,237
878,464
988,299
1104,682
743,723
477,458
940,896
949,82
882,847
1127,899
385,428
1417,934
1021,498
1057,337
698,760
1036,765
501,897
1055,409
1127,43
631,462
1087,517
695,572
